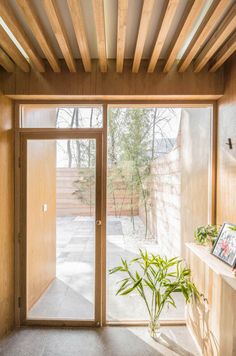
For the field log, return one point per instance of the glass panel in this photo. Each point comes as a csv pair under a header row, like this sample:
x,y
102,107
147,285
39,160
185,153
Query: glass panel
x,y
61,229
153,155
51,116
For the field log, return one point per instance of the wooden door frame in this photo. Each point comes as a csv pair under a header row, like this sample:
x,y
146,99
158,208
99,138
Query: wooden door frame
x,y
44,134
104,104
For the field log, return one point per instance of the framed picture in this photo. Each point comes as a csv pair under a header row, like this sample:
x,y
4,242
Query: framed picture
x,y
225,245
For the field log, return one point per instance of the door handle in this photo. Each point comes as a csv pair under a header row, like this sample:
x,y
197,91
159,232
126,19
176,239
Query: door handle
x,y
98,222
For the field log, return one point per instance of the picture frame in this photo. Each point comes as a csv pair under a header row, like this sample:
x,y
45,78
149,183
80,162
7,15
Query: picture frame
x,y
225,245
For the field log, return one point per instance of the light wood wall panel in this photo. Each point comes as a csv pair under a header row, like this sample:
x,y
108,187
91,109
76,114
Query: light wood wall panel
x,y
41,225
172,85
6,218
213,318
226,174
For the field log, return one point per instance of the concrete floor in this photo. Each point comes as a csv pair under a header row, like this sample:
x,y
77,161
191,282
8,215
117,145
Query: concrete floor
x,y
71,295
108,341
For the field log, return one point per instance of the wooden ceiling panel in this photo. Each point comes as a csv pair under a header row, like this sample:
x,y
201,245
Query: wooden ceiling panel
x,y
193,13
197,32
17,30
214,13
227,26
121,33
142,32
226,51
12,51
6,62
165,26
40,35
98,12
58,28
78,24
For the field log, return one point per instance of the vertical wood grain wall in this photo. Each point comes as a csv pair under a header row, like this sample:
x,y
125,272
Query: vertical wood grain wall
x,y
41,225
226,162
6,217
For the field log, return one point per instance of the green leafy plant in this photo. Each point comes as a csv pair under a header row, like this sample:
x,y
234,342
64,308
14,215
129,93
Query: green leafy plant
x,y
155,279
206,235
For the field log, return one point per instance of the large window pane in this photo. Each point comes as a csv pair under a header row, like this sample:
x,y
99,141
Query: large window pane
x,y
153,166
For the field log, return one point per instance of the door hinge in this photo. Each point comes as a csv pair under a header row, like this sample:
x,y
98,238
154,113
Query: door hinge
x,y
19,302
19,162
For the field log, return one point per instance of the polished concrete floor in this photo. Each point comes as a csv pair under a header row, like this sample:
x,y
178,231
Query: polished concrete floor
x,y
71,295
108,341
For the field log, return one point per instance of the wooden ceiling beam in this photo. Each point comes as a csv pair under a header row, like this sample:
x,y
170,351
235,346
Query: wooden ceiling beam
x,y
193,13
146,14
225,52
164,29
17,30
98,11
80,33
227,26
41,37
10,48
121,34
6,62
212,16
60,33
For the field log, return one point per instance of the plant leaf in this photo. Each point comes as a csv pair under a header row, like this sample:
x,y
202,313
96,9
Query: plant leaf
x,y
132,288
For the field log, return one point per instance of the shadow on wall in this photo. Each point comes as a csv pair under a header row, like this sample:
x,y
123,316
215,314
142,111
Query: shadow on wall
x,y
198,320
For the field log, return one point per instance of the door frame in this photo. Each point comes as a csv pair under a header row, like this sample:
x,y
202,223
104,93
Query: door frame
x,y
105,102
45,134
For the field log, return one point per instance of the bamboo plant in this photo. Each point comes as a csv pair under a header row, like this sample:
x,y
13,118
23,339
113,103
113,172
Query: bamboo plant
x,y
155,279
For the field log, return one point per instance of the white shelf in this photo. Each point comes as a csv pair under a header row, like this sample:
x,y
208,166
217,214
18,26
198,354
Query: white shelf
x,y
214,263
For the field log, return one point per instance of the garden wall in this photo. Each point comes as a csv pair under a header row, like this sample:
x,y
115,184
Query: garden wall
x,y
120,201
180,184
164,221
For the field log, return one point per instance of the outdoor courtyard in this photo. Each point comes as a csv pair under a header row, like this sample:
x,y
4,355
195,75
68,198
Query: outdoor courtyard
x,y
71,294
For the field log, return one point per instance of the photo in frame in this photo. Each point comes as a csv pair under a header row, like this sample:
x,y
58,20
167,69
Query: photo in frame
x,y
225,245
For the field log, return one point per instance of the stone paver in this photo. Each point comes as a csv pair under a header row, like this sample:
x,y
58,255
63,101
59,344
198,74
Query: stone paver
x,y
71,295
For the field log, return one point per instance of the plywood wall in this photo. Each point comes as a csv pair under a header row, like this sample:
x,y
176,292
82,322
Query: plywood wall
x,y
41,225
6,218
226,175
86,85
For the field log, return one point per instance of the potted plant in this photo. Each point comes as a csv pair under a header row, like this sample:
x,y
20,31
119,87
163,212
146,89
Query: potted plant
x,y
155,279
206,235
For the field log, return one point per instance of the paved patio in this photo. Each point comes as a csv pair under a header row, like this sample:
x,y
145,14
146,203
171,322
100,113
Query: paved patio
x,y
71,294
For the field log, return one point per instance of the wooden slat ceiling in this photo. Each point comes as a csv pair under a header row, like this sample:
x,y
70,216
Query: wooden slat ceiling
x,y
164,35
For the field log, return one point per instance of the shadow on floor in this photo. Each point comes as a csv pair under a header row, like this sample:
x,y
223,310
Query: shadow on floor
x,y
62,301
72,342
172,345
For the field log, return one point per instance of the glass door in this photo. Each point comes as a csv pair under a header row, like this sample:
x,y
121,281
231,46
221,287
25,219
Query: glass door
x,y
62,227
